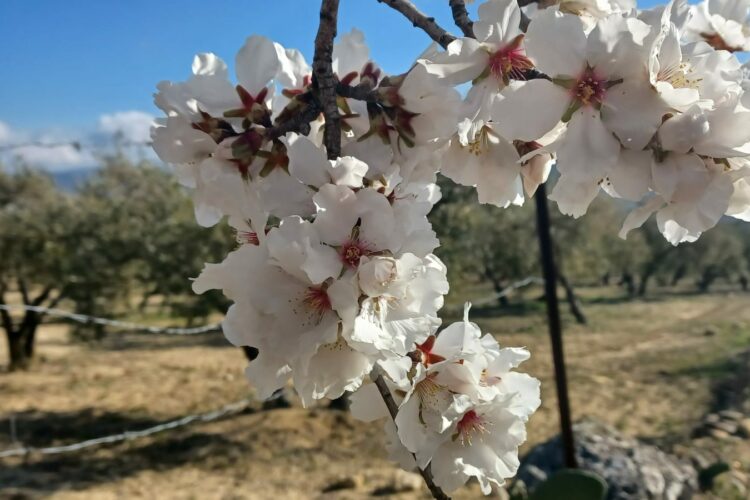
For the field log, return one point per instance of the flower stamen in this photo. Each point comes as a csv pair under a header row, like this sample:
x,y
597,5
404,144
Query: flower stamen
x,y
469,425
510,62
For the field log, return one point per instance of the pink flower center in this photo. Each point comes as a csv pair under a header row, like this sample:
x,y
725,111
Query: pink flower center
x,y
316,298
590,89
352,251
469,425
510,62
248,238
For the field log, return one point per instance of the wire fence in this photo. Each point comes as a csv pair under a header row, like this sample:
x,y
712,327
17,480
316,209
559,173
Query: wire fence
x,y
123,325
488,299
215,327
228,410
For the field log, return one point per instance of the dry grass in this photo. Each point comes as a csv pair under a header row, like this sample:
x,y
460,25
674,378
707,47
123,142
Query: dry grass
x,y
646,367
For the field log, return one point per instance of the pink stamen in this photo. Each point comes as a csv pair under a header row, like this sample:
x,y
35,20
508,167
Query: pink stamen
x,y
248,237
316,298
352,251
470,424
590,89
510,62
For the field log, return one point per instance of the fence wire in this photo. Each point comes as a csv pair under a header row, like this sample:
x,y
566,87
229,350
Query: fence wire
x,y
488,299
224,411
123,325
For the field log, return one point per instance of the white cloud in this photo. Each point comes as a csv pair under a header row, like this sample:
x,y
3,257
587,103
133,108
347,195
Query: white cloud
x,y
132,126
5,134
59,157
61,152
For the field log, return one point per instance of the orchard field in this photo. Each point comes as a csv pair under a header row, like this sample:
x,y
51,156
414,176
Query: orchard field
x,y
652,368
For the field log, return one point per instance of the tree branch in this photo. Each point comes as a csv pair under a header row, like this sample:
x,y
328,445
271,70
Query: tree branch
x,y
421,21
361,92
385,393
42,296
324,80
5,316
299,122
461,17
24,290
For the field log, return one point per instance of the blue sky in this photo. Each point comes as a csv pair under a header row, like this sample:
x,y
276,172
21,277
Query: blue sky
x,y
92,57
72,67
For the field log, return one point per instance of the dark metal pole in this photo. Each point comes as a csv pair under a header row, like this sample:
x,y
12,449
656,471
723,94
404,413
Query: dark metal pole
x,y
549,271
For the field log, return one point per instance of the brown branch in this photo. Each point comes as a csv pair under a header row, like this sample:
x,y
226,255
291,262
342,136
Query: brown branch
x,y
426,474
42,296
24,290
361,92
5,316
324,80
57,299
299,122
461,17
421,21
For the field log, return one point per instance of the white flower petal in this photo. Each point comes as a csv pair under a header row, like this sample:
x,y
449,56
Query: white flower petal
x,y
556,42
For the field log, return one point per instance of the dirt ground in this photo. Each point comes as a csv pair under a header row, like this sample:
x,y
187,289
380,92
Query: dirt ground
x,y
648,367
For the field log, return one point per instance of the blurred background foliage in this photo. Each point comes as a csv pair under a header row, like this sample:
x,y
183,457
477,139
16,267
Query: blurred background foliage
x,y
122,238
125,238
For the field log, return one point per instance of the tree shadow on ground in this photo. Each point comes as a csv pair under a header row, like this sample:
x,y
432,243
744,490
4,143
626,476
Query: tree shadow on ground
x,y
525,308
83,469
656,296
40,428
123,341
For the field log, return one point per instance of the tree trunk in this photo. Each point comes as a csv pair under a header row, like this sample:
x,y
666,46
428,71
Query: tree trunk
x,y
573,302
21,340
643,285
707,279
29,335
498,286
628,281
16,349
679,273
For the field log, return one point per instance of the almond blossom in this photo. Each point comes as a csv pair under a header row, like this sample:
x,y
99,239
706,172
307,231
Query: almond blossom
x,y
490,60
334,279
721,23
464,411
599,89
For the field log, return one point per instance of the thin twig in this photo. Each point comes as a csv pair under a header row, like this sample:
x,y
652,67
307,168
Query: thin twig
x,y
426,474
421,21
324,80
461,17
